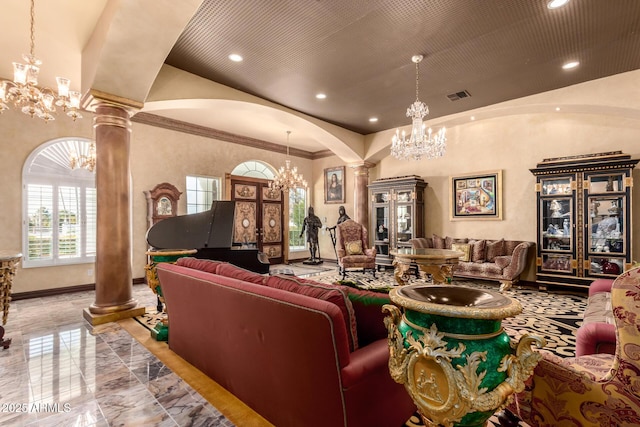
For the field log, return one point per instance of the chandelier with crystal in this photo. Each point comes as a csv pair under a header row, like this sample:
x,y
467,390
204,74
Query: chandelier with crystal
x,y
287,178
422,142
25,94
85,161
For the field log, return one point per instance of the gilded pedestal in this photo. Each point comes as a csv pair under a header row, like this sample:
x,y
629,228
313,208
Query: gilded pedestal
x,y
447,346
8,264
161,331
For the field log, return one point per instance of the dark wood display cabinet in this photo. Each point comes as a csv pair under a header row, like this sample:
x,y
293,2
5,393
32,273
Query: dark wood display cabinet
x,y
397,214
584,218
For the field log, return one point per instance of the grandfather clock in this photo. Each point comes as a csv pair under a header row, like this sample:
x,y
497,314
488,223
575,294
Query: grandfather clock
x,y
162,202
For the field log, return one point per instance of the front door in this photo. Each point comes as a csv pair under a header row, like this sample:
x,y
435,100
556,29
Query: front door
x,y
258,217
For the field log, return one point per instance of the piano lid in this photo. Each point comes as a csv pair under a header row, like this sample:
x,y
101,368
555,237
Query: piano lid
x,y
209,229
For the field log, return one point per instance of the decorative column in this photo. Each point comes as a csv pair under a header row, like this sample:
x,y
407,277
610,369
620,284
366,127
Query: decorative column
x,y
114,284
361,193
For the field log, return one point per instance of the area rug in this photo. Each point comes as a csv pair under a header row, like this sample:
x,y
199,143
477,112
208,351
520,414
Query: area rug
x,y
554,316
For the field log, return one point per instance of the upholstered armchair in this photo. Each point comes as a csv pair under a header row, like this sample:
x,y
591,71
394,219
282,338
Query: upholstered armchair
x,y
353,249
591,390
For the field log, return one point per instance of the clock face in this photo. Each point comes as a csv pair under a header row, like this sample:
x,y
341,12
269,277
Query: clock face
x,y
164,206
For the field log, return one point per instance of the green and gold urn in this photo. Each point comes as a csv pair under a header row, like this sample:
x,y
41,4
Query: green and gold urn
x,y
156,256
447,346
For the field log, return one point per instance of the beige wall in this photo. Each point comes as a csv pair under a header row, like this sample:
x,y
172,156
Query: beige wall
x,y
513,143
158,155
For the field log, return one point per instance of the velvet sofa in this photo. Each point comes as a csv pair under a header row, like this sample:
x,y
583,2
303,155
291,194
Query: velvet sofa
x,y
500,260
298,352
597,334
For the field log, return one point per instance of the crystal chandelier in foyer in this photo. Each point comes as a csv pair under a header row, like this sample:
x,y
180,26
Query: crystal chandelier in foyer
x,y
287,178
83,160
25,94
422,142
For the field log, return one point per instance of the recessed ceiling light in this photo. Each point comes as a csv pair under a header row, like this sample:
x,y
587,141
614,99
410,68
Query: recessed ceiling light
x,y
321,96
473,118
570,65
235,57
373,119
557,108
554,4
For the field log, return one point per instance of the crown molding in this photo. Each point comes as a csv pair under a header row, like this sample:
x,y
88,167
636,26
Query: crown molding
x,y
192,129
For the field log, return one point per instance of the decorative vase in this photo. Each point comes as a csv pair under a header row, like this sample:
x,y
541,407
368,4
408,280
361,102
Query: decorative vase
x,y
451,353
161,331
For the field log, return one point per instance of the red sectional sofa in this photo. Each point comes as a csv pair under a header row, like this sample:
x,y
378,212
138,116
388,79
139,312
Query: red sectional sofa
x,y
298,352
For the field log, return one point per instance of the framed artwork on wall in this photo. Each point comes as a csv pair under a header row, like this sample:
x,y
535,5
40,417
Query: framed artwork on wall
x,y
334,185
476,196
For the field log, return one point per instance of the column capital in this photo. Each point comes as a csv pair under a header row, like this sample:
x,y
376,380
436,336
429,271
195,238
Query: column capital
x,y
96,98
361,165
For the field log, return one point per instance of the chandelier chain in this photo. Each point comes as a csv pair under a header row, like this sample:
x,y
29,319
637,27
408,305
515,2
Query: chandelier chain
x,y
417,80
32,29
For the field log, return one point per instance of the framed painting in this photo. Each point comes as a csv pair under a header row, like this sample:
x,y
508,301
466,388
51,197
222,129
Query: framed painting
x,y
334,185
476,196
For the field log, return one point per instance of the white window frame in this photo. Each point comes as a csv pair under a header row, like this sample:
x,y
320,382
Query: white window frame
x,y
196,193
48,165
294,233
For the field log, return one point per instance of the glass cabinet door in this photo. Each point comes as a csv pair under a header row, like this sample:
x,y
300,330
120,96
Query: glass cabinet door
x,y
404,220
606,235
557,226
381,232
381,197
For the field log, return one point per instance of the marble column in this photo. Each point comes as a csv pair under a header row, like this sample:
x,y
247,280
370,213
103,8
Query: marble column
x,y
361,192
114,284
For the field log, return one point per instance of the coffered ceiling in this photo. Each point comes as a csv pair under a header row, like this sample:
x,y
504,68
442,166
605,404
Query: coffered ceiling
x,y
358,53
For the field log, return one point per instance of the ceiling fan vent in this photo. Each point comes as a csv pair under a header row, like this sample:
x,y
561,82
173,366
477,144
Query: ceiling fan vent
x,y
458,95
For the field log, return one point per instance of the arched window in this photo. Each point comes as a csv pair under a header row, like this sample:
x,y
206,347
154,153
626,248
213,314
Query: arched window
x,y
59,204
254,169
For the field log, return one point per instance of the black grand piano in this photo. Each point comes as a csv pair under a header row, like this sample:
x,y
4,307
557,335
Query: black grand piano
x,y
211,234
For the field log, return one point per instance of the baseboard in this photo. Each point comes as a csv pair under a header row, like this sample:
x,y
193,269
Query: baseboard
x,y
59,291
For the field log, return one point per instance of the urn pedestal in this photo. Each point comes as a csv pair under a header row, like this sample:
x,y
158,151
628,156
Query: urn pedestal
x,y
447,346
161,331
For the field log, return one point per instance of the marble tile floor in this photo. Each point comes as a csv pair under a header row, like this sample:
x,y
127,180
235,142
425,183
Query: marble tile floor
x,y
61,371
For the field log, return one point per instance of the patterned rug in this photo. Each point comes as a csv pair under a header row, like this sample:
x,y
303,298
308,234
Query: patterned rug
x,y
555,316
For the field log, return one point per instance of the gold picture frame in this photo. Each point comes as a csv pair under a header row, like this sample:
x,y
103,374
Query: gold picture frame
x,y
476,196
334,185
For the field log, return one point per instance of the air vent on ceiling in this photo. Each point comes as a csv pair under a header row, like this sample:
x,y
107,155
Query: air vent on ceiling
x,y
458,95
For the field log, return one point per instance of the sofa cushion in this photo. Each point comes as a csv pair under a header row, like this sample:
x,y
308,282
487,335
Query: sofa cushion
x,y
367,306
230,270
354,248
332,293
478,250
599,308
438,242
448,241
494,249
207,265
502,261
465,248
479,269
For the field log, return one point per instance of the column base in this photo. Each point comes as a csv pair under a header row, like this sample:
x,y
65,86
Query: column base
x,y
99,319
